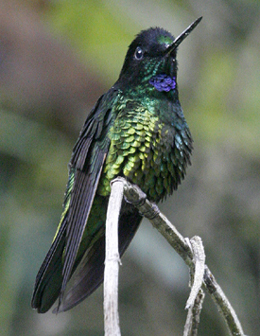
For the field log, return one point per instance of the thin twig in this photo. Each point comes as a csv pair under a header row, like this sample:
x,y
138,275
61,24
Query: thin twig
x,y
196,297
193,317
222,303
112,260
197,271
197,308
134,195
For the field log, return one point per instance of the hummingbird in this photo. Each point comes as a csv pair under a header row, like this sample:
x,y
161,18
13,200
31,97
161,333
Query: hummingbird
x,y
136,130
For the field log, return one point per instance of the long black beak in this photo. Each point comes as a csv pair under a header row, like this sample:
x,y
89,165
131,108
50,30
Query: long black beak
x,y
182,36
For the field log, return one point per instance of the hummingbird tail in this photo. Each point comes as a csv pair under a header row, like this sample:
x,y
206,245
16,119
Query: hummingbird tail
x,y
49,278
89,274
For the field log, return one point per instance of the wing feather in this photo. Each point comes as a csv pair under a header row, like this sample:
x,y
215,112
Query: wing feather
x,y
81,203
89,154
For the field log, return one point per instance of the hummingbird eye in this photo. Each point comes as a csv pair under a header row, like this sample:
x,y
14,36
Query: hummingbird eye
x,y
138,54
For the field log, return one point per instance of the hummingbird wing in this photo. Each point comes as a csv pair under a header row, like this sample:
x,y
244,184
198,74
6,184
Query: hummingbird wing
x,y
86,164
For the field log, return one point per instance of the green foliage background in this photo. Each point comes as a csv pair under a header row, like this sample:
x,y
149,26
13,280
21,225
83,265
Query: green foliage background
x,y
56,58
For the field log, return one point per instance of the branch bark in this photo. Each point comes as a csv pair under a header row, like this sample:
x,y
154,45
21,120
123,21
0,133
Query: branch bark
x,y
112,260
196,297
189,251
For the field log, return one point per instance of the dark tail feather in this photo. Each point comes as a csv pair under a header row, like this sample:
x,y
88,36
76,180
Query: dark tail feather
x,y
89,274
49,278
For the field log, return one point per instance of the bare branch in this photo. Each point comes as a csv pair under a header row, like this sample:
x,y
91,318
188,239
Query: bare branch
x,y
197,271
111,316
196,297
222,303
193,317
134,195
191,251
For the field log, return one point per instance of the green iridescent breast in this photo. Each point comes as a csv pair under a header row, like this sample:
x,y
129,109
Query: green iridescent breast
x,y
146,151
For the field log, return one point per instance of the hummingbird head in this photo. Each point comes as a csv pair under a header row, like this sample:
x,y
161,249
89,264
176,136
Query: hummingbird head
x,y
151,59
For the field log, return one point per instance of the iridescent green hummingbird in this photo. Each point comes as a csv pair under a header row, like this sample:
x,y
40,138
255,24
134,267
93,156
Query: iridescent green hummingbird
x,y
136,130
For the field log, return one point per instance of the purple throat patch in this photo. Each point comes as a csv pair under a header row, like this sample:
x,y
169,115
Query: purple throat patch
x,y
163,82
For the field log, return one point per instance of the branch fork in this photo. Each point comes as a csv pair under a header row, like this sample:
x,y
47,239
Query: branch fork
x,y
191,251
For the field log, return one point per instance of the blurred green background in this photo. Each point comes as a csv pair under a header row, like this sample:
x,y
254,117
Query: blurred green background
x,y
56,58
